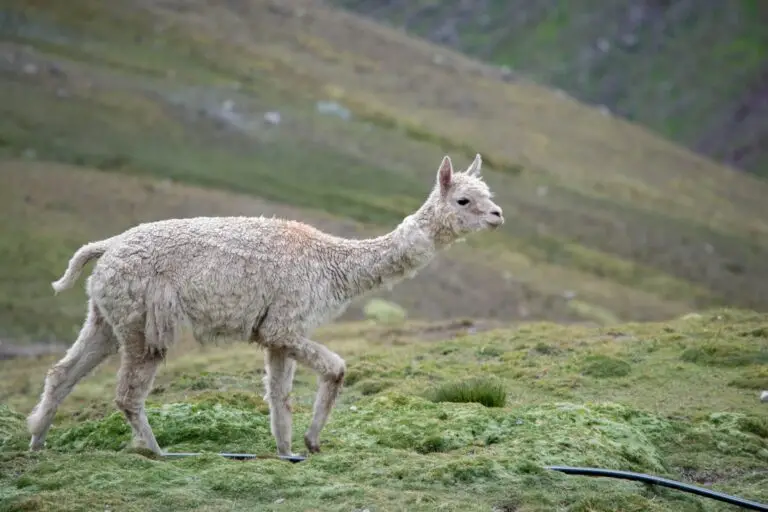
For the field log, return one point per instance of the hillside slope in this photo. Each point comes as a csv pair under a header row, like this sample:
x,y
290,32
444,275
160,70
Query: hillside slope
x,y
677,399
55,208
605,220
693,70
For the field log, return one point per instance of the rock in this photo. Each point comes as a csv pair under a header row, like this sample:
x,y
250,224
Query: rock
x,y
56,70
629,40
272,117
333,108
506,73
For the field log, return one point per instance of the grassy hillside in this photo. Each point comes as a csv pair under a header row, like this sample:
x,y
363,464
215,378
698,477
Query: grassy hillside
x,y
677,399
605,221
694,71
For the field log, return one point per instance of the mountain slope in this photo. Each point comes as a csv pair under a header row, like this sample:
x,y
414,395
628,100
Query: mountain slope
x,y
49,210
695,71
605,220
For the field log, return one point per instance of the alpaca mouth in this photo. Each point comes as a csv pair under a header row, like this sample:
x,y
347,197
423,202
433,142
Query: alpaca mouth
x,y
494,224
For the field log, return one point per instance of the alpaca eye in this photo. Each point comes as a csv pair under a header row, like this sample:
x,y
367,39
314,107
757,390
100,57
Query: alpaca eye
x,y
463,201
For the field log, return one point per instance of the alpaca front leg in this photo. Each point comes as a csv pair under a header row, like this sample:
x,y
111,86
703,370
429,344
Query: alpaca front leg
x,y
330,368
278,383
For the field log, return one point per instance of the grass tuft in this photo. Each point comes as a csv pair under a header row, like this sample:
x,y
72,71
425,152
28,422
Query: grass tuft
x,y
486,391
12,428
711,354
603,367
751,378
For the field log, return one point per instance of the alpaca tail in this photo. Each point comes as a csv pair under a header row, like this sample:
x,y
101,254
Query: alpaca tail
x,y
83,255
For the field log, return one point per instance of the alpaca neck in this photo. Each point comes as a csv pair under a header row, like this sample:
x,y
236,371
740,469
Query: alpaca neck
x,y
385,260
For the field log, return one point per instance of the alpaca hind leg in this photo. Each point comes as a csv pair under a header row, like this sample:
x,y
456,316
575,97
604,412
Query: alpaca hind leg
x,y
279,382
138,367
330,368
95,343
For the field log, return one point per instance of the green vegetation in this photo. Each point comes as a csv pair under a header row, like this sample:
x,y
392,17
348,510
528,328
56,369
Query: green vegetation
x,y
393,448
488,392
689,81
385,312
600,366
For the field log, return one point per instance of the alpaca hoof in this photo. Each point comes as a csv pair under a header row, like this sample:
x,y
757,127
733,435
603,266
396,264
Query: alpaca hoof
x,y
312,445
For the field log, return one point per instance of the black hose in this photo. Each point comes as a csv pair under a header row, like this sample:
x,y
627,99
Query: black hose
x,y
242,456
640,477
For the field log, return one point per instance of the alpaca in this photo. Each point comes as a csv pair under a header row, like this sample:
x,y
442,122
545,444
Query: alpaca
x,y
266,280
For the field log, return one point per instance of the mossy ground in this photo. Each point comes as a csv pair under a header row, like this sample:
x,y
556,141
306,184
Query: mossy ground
x,y
625,397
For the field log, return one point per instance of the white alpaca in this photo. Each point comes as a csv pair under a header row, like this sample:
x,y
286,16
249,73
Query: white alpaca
x,y
269,281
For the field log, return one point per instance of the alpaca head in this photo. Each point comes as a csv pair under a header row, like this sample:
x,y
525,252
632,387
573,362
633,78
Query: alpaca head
x,y
461,202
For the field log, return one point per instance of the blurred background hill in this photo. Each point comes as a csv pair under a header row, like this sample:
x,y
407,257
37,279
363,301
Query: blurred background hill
x,y
695,71
114,114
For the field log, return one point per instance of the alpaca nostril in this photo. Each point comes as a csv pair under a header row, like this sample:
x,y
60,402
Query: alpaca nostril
x,y
496,213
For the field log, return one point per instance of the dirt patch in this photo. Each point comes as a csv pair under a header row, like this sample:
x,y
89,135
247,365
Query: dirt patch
x,y
441,330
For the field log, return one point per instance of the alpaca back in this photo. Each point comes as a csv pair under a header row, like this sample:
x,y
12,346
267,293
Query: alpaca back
x,y
220,275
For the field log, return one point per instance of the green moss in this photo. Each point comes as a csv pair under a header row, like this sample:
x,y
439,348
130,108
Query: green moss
x,y
367,367
12,429
397,450
546,349
235,399
714,354
751,378
194,382
205,425
602,367
372,387
489,352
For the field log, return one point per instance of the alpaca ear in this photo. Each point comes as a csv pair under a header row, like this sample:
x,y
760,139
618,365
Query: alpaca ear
x,y
445,174
474,169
